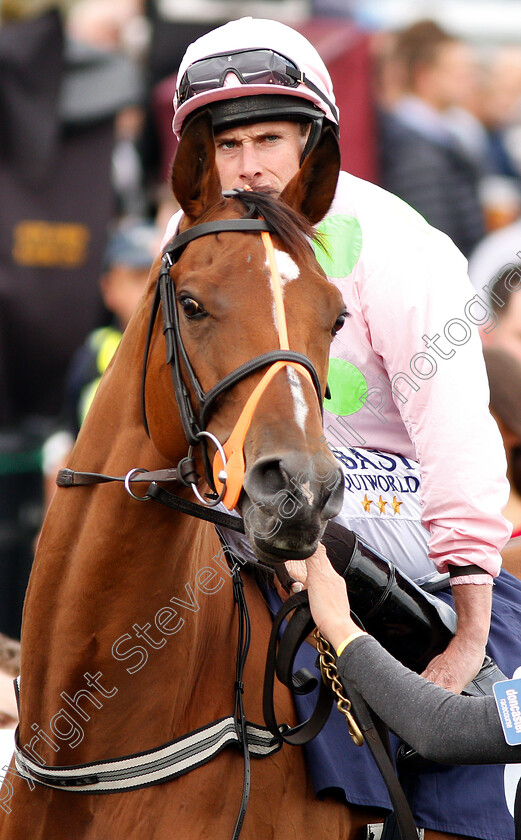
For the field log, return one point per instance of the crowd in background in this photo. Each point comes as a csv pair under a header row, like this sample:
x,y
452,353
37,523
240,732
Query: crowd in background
x,y
447,136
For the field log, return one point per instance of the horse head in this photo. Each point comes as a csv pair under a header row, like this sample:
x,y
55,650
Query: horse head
x,y
231,310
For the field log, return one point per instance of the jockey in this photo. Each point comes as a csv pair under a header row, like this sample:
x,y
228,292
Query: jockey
x,y
408,417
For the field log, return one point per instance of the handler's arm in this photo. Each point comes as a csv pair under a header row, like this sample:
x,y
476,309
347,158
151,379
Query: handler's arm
x,y
442,726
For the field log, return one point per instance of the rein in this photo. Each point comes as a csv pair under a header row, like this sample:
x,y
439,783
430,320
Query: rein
x,y
282,649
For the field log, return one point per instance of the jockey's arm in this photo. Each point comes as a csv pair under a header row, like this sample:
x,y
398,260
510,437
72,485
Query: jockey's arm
x,y
453,669
460,662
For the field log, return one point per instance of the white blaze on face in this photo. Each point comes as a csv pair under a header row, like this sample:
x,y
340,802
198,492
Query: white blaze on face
x,y
301,406
289,270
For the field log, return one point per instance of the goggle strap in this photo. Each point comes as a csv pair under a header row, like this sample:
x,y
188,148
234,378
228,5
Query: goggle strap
x,y
303,80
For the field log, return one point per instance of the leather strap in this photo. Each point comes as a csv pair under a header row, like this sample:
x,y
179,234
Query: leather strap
x,y
73,478
243,646
299,627
225,520
304,624
184,473
462,571
401,808
181,240
252,365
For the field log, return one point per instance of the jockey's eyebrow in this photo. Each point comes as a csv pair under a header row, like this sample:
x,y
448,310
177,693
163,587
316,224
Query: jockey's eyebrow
x,y
225,137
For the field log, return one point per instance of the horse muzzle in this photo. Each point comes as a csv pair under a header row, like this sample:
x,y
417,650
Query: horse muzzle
x,y
286,506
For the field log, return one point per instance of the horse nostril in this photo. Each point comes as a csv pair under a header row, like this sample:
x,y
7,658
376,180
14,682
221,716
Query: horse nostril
x,y
333,504
266,479
274,481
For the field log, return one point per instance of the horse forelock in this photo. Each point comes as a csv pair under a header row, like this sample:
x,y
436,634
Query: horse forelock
x,y
293,229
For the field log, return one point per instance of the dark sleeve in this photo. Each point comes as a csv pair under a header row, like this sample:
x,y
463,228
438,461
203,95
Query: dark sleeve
x,y
441,726
439,181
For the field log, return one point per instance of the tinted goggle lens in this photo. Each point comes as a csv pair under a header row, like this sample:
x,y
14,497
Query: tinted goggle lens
x,y
253,67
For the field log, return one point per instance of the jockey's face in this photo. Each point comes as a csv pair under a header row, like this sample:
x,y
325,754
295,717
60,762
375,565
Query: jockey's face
x,y
263,156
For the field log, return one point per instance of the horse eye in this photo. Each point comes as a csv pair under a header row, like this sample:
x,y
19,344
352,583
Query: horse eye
x,y
339,323
191,308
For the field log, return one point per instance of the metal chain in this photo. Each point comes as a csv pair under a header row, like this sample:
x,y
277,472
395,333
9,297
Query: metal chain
x,y
330,676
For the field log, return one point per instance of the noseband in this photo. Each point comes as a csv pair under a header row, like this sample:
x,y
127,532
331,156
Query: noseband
x,y
225,478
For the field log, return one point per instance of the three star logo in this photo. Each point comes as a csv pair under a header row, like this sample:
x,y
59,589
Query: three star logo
x,y
381,503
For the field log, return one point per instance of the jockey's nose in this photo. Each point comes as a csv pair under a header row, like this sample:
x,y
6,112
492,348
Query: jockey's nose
x,y
250,167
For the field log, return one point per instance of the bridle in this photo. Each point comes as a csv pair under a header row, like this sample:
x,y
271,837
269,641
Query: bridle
x,y
225,476
227,473
228,468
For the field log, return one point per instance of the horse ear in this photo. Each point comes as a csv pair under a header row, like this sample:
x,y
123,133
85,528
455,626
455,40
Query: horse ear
x,y
312,189
195,179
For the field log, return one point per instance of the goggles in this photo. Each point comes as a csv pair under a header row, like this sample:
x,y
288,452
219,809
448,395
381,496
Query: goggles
x,y
251,67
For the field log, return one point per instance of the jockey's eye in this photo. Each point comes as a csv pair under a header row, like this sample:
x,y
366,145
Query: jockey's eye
x,y
339,323
191,308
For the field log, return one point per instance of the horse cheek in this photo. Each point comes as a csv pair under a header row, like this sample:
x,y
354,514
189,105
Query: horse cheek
x,y
164,422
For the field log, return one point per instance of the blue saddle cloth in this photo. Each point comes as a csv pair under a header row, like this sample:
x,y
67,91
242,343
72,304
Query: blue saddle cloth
x,y
471,801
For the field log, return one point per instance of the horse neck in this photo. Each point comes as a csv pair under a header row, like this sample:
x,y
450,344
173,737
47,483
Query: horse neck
x,y
113,575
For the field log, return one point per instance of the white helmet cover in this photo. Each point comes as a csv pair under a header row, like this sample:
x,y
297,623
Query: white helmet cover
x,y
256,34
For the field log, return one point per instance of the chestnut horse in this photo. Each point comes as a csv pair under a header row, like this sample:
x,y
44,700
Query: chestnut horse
x,y
130,630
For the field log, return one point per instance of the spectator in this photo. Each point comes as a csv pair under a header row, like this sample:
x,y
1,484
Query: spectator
x,y
9,668
119,28
59,101
107,26
499,249
503,327
498,106
504,376
129,256
500,110
424,160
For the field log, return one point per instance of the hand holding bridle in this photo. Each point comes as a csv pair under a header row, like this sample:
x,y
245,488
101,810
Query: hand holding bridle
x,y
328,598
